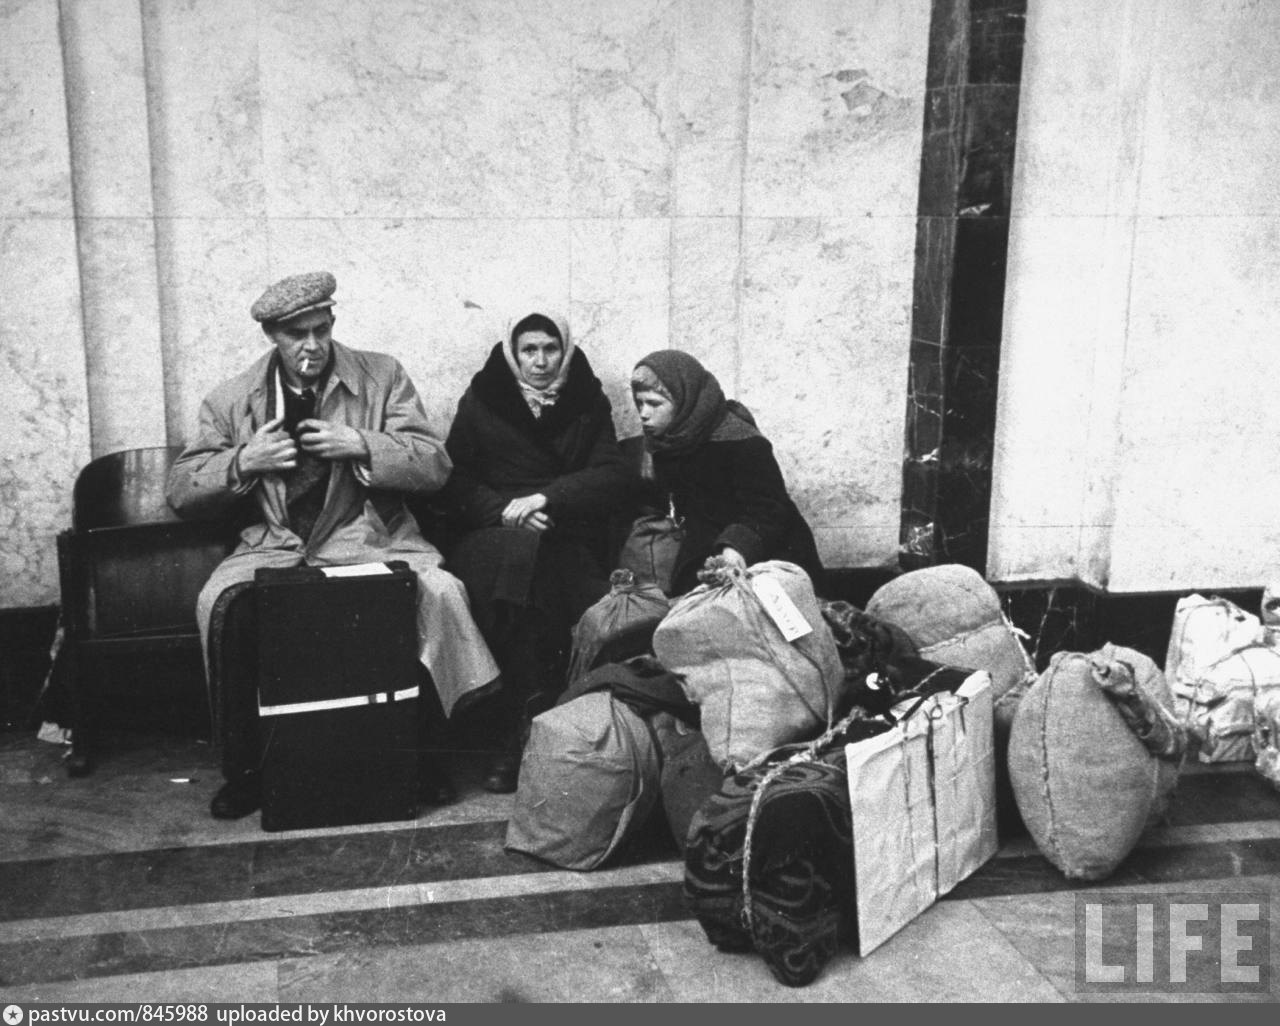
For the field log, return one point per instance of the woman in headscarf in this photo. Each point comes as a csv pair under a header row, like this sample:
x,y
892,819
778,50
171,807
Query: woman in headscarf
x,y
714,472
537,473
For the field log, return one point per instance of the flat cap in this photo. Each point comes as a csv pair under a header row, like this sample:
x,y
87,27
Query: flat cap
x,y
297,294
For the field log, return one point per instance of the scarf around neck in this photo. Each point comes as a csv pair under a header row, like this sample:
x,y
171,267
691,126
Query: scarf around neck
x,y
538,399
702,413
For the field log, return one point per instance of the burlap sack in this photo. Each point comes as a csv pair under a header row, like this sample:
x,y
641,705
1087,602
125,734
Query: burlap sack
x,y
1086,786
588,780
755,690
689,775
629,607
954,617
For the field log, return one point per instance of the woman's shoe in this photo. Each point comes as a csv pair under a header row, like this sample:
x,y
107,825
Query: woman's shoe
x,y
504,773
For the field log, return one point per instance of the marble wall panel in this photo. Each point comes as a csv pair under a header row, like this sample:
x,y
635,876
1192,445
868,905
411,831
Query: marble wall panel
x,y
713,45
624,109
1201,356
205,115
1080,119
1164,301
122,333
35,168
837,93
1195,410
107,108
1213,94
706,260
384,110
46,432
111,158
46,426
1048,403
823,364
206,72
213,271
620,289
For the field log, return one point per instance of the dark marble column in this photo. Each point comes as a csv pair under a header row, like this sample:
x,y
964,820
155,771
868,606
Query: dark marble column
x,y
962,233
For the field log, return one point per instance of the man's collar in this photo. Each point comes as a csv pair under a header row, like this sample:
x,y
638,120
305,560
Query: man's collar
x,y
344,370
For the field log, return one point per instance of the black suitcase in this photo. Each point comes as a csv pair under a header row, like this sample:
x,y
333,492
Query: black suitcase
x,y
338,679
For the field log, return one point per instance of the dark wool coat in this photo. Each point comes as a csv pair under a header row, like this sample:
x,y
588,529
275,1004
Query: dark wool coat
x,y
500,452
732,493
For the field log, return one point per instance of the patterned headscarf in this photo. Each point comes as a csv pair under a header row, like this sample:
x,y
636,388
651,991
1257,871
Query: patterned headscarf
x,y
702,413
539,398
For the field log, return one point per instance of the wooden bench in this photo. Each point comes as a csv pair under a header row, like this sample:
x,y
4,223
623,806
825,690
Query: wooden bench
x,y
129,571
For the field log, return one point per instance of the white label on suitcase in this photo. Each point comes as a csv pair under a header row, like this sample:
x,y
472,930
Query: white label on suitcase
x,y
782,611
356,570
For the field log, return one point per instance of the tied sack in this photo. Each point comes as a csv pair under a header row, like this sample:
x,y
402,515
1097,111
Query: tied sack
x,y
1218,664
589,778
758,685
620,625
652,547
1085,783
801,892
954,617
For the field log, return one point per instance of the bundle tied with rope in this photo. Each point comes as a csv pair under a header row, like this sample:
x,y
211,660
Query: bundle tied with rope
x,y
752,651
769,864
1094,756
1223,664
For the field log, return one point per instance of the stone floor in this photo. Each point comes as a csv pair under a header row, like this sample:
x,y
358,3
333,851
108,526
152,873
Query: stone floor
x,y
120,887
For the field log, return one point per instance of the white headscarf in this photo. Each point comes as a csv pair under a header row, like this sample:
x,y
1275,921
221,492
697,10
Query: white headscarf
x,y
539,398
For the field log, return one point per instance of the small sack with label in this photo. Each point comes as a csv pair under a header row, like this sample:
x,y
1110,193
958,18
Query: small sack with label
x,y
1086,782
621,624
651,548
752,652
588,780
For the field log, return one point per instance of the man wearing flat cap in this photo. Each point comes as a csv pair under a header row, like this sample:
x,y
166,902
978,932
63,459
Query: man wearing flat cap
x,y
325,441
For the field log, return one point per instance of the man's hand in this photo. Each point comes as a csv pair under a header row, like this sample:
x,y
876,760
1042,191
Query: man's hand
x,y
269,451
330,441
733,556
527,512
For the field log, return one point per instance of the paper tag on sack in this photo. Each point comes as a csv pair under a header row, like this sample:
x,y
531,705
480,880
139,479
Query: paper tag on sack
x,y
782,611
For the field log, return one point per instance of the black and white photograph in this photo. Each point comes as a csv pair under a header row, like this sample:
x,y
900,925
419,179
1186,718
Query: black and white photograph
x,y
637,502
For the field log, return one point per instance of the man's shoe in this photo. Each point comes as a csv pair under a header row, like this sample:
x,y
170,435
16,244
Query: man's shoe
x,y
237,798
504,773
434,785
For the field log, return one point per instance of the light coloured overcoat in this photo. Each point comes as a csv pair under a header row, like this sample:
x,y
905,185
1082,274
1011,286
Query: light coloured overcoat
x,y
364,517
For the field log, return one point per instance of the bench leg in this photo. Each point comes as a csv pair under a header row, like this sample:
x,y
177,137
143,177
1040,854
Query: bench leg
x,y
80,762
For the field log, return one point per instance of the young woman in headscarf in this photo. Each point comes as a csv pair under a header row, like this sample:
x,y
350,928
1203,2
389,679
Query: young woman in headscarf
x,y
537,473
714,472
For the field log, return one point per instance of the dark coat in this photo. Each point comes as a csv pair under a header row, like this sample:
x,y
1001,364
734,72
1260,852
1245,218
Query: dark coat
x,y
732,493
500,452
